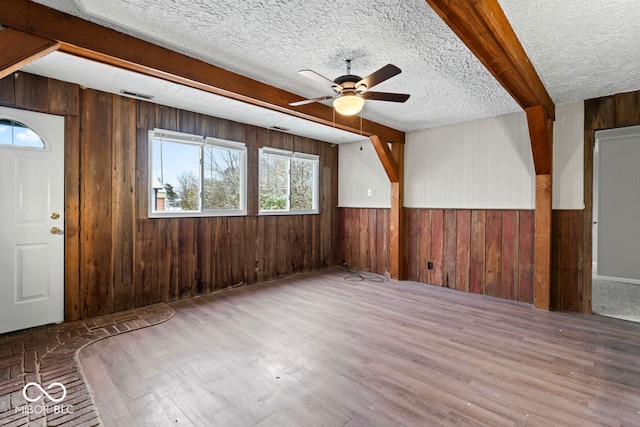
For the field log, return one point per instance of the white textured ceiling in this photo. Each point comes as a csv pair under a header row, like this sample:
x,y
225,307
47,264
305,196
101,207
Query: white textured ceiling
x,y
581,49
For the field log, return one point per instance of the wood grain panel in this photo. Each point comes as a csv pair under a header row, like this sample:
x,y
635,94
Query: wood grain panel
x,y
8,90
424,246
32,92
96,270
123,182
437,244
72,197
493,253
412,244
510,241
463,249
626,108
525,256
449,254
477,269
489,251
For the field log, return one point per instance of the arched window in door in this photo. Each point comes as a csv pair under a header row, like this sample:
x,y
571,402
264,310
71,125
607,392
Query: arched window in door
x,y
17,134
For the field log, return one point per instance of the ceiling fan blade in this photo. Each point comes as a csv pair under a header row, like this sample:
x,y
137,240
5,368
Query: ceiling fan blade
x,y
386,96
311,101
318,78
379,76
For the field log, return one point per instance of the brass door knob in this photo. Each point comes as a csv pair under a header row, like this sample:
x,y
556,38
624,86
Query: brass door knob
x,y
55,215
56,230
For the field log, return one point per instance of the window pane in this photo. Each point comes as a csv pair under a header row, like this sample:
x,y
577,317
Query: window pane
x,y
18,135
274,183
221,178
301,185
176,180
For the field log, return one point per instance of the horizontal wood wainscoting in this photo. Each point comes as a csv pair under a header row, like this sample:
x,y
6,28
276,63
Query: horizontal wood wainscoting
x,y
481,251
115,257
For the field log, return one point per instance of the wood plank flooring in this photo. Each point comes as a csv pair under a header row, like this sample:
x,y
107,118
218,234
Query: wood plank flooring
x,y
317,350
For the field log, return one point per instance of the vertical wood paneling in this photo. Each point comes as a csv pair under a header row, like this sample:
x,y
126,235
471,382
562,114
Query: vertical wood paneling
x,y
626,109
116,257
64,98
525,256
32,92
72,284
463,249
493,253
487,252
449,254
477,267
95,209
8,90
123,181
424,246
437,245
510,242
412,244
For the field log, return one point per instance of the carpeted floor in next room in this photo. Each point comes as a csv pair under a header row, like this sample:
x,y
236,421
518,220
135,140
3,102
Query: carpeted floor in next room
x,y
616,299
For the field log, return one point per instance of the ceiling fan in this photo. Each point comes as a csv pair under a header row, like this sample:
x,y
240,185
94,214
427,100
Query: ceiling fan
x,y
351,90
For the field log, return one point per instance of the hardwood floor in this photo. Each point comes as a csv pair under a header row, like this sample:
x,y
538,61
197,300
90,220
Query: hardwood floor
x,y
316,350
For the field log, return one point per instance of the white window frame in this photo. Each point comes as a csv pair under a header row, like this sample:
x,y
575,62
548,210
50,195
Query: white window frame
x,y
201,142
291,155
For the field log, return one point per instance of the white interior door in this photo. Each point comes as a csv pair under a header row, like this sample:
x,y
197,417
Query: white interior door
x,y
31,219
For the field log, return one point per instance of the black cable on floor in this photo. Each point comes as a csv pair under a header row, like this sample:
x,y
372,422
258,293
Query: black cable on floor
x,y
360,276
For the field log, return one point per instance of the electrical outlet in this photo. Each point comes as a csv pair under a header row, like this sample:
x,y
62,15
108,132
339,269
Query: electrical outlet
x,y
369,192
257,265
429,265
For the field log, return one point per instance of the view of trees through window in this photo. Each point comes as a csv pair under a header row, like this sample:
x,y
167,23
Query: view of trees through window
x,y
196,176
191,175
301,185
286,183
274,183
221,178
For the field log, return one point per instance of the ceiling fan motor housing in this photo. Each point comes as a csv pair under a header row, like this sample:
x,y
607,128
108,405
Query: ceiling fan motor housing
x,y
347,83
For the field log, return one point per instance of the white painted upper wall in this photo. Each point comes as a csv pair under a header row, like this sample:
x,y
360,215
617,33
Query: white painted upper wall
x,y
360,171
568,157
482,164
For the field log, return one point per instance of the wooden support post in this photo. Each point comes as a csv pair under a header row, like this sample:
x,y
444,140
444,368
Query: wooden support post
x,y
542,244
397,213
484,28
393,163
541,134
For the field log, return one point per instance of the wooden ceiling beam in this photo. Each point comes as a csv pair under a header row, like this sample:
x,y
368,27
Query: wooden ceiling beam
x,y
17,49
484,28
94,42
389,163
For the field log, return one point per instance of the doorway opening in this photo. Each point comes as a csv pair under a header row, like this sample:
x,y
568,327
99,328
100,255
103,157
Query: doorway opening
x,y
616,229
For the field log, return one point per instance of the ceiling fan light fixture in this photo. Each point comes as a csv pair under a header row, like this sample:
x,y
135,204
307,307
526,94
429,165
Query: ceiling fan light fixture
x,y
348,104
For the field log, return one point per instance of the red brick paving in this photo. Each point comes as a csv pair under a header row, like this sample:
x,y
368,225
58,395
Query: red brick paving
x,y
49,354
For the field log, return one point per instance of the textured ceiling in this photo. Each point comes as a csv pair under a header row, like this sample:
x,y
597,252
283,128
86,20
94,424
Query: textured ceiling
x,y
580,48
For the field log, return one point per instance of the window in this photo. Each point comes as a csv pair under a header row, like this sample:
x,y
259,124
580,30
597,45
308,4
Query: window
x,y
194,176
288,182
17,134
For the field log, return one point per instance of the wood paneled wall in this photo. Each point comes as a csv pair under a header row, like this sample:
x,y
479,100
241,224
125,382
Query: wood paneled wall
x,y
482,251
573,229
115,257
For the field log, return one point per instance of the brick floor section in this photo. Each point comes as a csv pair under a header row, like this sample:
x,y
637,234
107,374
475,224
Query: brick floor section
x,y
48,354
